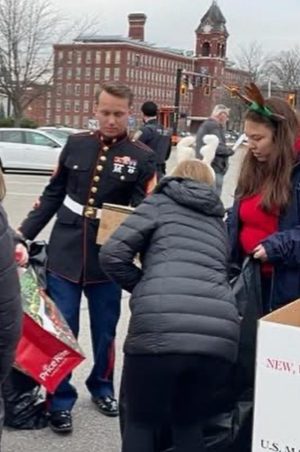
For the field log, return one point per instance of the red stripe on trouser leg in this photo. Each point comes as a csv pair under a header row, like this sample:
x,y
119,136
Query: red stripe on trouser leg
x,y
111,361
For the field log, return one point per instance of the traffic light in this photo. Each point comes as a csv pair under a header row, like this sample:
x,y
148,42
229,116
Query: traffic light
x,y
184,84
291,98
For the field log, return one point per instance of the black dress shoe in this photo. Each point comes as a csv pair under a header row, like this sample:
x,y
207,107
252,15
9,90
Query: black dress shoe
x,y
107,405
61,421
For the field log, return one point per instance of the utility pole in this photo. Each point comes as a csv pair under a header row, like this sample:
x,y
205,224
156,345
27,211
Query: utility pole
x,y
177,100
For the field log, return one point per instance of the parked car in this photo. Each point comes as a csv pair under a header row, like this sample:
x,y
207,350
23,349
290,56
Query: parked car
x,y
28,150
62,133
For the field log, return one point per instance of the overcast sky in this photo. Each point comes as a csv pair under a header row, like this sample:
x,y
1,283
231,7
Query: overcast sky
x,y
274,23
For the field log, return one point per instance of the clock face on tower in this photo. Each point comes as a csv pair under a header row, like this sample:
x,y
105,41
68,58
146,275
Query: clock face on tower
x,y
207,28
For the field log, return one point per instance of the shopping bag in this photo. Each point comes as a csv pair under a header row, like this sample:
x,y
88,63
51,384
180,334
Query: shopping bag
x,y
112,216
25,406
48,350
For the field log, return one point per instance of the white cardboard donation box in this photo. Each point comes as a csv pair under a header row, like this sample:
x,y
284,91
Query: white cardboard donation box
x,y
277,382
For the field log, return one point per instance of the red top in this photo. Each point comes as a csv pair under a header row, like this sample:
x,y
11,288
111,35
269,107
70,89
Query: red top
x,y
297,144
256,225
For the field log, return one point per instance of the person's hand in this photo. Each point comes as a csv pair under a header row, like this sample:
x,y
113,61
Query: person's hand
x,y
260,253
21,255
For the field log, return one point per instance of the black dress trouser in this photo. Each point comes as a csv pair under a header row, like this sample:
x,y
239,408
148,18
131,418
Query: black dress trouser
x,y
173,390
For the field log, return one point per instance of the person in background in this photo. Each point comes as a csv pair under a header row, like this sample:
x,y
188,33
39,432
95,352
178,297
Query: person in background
x,y
10,298
265,217
153,134
102,166
215,126
184,327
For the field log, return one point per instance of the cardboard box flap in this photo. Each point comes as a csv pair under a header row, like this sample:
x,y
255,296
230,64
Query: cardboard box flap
x,y
118,208
288,315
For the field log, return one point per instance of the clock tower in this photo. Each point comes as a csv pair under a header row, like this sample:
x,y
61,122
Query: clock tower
x,y
211,42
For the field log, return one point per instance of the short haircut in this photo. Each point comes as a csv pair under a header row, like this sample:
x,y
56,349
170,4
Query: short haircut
x,y
149,108
195,169
220,108
117,90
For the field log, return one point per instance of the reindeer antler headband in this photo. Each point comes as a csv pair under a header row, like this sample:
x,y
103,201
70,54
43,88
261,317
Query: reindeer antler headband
x,y
255,101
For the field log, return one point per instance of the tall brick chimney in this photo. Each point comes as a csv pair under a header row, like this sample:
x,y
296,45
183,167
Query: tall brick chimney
x,y
137,26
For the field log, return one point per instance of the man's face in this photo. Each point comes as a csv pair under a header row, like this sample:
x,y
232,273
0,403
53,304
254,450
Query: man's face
x,y
112,113
223,118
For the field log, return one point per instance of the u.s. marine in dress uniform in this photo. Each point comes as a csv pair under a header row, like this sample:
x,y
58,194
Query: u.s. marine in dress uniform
x,y
94,167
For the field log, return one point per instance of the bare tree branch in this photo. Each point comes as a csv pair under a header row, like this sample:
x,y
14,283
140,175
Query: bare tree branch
x,y
27,31
285,69
253,60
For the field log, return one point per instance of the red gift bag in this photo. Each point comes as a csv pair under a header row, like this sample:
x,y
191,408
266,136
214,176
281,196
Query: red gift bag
x,y
48,350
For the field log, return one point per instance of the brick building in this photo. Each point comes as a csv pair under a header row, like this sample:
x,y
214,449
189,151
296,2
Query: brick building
x,y
80,68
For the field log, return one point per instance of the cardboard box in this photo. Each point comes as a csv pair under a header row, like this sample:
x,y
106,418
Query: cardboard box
x,y
277,386
112,216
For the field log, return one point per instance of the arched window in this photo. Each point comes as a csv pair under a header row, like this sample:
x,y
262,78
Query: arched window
x,y
219,50
223,51
206,49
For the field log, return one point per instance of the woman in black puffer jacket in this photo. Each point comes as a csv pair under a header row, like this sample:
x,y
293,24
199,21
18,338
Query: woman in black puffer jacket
x,y
184,329
10,300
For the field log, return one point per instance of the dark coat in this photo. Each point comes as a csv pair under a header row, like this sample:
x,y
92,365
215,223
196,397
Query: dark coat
x,y
10,299
283,247
157,138
89,172
223,152
181,300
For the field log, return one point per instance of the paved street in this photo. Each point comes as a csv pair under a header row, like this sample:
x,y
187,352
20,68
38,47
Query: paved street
x,y
92,431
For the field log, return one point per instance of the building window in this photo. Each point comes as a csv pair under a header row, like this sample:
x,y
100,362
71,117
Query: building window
x,y
60,56
68,89
59,72
107,57
78,57
76,121
58,89
67,121
85,121
96,88
127,73
58,105
70,57
57,119
206,49
207,90
77,90
77,106
107,73
87,72
117,57
117,73
67,105
128,57
88,57
97,73
86,106
78,72
86,90
98,56
48,103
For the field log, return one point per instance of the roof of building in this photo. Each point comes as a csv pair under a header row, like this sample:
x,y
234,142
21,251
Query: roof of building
x,y
214,19
96,39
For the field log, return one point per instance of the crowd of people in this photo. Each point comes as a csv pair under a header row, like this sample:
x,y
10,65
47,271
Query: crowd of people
x,y
184,330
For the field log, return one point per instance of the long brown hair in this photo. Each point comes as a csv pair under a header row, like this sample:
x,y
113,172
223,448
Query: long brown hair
x,y
2,186
272,178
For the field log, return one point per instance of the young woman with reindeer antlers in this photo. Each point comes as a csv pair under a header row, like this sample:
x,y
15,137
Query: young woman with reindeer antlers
x,y
265,218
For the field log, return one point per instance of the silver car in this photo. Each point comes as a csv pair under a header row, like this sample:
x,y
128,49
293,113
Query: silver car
x,y
28,150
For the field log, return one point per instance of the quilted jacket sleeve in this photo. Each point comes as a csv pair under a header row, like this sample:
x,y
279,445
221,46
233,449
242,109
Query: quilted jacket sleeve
x,y
118,253
284,247
10,299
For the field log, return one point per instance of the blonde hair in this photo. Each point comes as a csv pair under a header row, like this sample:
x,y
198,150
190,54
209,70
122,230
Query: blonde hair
x,y
2,186
195,169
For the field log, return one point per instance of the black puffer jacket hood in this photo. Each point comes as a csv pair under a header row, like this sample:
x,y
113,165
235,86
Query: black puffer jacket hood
x,y
181,299
192,194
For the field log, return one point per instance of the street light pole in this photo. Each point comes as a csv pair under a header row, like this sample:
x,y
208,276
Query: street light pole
x,y
177,100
